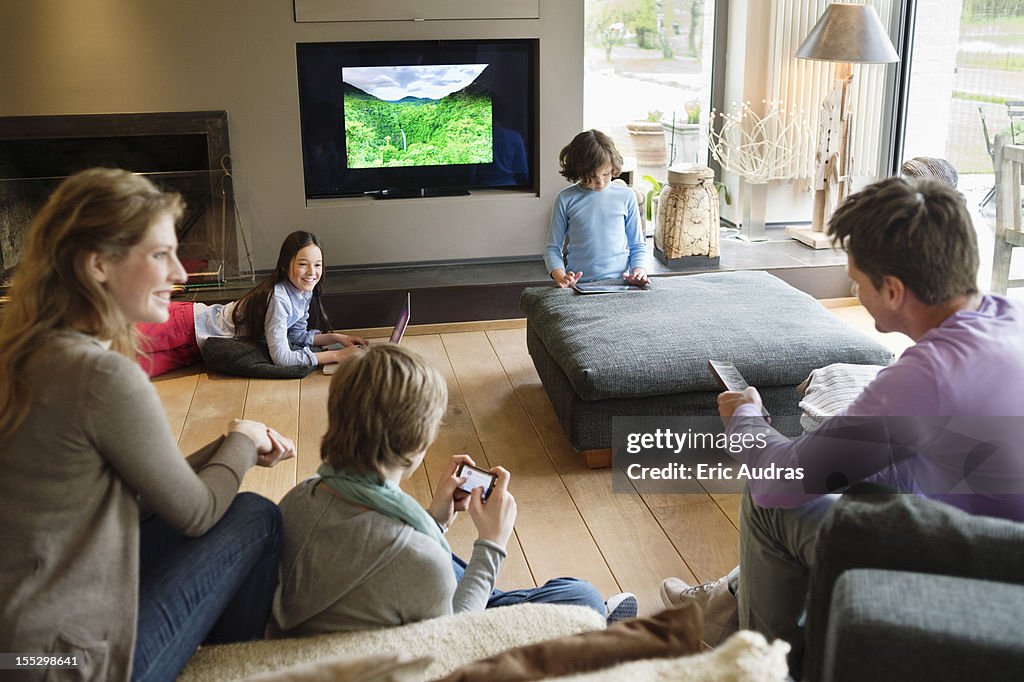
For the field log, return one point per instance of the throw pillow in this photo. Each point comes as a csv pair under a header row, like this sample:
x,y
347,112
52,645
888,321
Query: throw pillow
x,y
380,668
248,359
831,389
671,633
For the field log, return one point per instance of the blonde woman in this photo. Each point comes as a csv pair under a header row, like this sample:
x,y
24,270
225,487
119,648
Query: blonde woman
x,y
118,552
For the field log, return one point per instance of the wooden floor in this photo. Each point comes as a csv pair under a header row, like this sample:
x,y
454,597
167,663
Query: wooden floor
x,y
570,522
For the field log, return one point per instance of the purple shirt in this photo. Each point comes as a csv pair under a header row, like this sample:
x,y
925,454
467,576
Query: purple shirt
x,y
951,402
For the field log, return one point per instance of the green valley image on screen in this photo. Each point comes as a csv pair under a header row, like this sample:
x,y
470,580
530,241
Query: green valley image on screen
x,y
416,116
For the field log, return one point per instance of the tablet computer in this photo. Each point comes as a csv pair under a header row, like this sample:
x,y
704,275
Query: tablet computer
x,y
606,288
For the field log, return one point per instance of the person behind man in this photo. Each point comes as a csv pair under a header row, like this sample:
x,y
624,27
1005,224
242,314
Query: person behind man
x,y
913,259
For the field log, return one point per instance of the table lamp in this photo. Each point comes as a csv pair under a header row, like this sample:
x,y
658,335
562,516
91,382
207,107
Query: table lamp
x,y
846,34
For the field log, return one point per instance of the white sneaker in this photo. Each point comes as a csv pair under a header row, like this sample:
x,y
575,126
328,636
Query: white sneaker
x,y
621,606
718,604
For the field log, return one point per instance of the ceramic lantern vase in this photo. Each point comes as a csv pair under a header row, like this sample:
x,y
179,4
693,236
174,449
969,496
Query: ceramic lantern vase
x,y
688,214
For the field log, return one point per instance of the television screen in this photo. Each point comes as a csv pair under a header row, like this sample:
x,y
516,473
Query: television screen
x,y
412,118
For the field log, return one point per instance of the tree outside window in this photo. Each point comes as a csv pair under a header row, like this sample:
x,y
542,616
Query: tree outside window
x,y
650,61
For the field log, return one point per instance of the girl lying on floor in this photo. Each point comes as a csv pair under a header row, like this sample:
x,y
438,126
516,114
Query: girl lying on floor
x,y
275,311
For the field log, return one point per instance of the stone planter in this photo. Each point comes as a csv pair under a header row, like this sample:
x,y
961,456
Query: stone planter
x,y
648,143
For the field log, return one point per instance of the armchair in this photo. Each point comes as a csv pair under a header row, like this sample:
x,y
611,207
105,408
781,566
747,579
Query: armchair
x,y
906,588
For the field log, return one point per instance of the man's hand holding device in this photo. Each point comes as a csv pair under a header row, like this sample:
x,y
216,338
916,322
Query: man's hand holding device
x,y
736,390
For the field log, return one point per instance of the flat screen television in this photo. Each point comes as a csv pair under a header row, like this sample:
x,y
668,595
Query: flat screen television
x,y
418,118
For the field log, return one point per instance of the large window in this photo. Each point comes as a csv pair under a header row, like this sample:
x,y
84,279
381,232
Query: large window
x,y
648,79
967,70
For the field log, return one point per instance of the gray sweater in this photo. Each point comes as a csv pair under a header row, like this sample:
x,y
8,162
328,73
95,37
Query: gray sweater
x,y
95,449
348,568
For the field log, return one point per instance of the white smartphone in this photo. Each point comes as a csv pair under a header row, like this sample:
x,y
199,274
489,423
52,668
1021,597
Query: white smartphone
x,y
476,478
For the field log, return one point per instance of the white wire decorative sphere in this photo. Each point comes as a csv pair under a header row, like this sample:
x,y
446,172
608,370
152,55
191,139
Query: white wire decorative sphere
x,y
775,145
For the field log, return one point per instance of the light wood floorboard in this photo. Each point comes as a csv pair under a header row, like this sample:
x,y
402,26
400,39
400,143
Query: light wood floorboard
x,y
458,435
633,543
570,521
549,526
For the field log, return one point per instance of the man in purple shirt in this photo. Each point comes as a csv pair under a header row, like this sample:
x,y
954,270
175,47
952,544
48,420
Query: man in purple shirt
x,y
933,423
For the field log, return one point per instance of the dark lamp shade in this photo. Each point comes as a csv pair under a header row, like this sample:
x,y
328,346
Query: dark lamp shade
x,y
848,33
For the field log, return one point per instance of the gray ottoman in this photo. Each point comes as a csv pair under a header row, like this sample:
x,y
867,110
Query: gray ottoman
x,y
645,353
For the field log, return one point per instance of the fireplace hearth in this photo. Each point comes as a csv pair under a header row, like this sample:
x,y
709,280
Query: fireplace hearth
x,y
187,152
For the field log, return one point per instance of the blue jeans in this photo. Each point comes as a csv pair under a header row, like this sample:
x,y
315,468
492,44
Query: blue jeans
x,y
211,589
554,591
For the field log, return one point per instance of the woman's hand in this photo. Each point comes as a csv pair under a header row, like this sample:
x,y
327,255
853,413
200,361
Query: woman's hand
x,y
283,448
496,518
448,499
256,432
271,446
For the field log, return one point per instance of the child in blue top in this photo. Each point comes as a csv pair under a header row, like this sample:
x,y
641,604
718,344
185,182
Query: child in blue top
x,y
596,222
275,310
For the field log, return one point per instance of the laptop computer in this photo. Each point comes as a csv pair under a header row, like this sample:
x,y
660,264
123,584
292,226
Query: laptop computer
x,y
403,321
397,332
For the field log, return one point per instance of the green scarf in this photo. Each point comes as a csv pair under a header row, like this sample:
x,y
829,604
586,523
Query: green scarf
x,y
387,498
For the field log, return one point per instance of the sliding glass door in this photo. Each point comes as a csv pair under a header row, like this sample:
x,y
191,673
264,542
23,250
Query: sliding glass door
x,y
966,74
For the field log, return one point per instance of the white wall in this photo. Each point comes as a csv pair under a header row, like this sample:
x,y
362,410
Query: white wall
x,y
124,56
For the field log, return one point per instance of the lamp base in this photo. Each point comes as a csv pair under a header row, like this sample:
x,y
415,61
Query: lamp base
x,y
805,235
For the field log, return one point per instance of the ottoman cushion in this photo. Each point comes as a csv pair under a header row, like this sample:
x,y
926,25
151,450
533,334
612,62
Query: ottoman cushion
x,y
658,342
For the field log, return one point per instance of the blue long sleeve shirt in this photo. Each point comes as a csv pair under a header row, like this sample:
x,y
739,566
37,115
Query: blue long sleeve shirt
x,y
598,231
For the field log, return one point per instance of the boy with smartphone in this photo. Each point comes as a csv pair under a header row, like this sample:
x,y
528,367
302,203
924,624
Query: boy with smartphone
x,y
352,535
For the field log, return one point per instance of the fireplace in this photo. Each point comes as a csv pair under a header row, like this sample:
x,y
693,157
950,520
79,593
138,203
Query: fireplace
x,y
186,152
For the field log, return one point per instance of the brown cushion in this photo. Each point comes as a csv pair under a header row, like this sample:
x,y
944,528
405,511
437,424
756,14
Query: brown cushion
x,y
380,668
675,632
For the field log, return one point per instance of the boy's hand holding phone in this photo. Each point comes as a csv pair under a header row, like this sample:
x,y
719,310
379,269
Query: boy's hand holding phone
x,y
448,499
495,518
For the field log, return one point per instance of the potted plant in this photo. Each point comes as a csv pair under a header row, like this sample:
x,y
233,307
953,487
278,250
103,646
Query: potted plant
x,y
683,138
649,208
648,140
